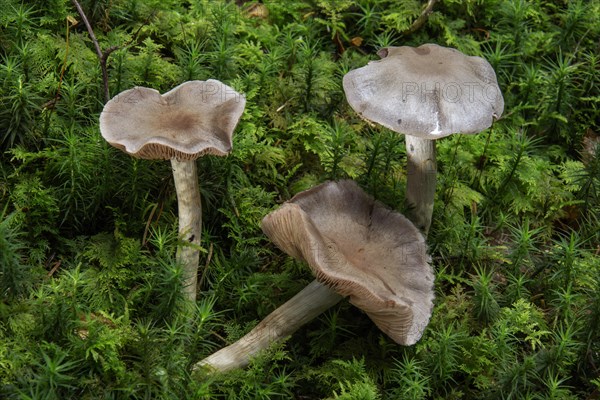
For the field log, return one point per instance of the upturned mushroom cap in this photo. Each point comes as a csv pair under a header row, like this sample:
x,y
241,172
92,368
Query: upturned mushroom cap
x,y
194,118
361,249
428,91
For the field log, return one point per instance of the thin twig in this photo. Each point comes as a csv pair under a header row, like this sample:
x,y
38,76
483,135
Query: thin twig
x,y
419,22
88,26
99,52
148,222
103,55
55,268
206,264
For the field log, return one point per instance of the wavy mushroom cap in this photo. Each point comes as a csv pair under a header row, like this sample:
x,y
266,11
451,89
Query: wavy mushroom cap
x,y
428,91
363,250
193,119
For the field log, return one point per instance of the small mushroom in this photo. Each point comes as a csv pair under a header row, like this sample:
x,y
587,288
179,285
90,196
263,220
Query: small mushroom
x,y
427,93
193,119
357,248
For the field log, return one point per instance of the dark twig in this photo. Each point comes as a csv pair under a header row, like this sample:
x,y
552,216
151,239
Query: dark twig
x,y
55,268
206,264
419,22
103,55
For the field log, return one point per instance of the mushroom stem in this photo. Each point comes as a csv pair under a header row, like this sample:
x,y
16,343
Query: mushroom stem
x,y
189,206
421,179
285,320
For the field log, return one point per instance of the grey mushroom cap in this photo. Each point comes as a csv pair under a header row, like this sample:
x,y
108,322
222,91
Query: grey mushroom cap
x,y
428,91
193,119
363,250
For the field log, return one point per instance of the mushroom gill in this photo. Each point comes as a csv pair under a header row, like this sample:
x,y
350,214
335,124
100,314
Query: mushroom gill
x,y
362,250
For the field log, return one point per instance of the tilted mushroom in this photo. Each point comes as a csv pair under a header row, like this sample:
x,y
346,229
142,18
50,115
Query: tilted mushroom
x,y
427,93
357,248
193,119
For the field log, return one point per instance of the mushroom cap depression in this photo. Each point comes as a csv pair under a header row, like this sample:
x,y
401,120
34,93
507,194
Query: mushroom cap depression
x,y
193,119
428,91
361,249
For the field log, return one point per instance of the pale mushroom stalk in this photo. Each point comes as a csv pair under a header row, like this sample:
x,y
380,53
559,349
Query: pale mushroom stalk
x,y
357,248
194,119
421,180
310,302
189,207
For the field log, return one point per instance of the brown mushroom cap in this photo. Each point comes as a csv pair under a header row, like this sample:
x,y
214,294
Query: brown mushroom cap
x,y
194,118
363,250
428,91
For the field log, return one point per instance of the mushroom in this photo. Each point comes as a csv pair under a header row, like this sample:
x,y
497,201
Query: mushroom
x,y
426,92
357,248
193,119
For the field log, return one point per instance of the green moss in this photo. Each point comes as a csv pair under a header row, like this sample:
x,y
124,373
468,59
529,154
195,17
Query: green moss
x,y
90,303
